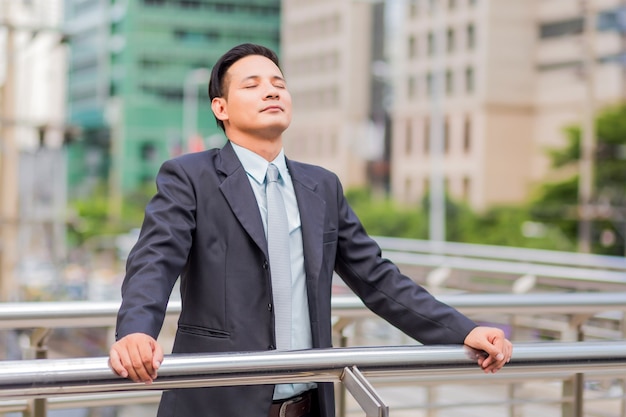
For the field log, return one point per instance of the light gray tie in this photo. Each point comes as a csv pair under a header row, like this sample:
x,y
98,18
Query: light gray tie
x,y
280,260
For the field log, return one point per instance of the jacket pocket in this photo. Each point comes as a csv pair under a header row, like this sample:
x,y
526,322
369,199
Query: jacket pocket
x,y
203,331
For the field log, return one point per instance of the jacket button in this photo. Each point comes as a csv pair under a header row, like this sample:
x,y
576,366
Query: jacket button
x,y
271,347
269,307
265,265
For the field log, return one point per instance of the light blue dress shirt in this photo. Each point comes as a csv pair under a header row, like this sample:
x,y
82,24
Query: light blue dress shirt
x,y
256,168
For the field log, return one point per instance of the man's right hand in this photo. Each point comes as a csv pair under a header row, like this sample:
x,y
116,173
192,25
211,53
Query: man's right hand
x,y
136,356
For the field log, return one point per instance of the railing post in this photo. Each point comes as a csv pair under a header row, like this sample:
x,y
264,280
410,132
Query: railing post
x,y
38,349
431,401
574,387
339,328
364,393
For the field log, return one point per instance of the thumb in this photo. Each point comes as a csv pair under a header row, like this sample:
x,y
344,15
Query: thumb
x,y
493,350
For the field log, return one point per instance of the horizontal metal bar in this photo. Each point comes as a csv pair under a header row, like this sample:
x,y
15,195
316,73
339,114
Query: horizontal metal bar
x,y
525,255
57,377
94,314
85,401
507,267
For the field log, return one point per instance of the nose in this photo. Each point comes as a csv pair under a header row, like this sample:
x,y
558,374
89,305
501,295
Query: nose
x,y
271,92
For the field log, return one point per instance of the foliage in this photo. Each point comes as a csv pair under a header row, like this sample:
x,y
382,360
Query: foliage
x,y
556,203
507,226
382,217
92,218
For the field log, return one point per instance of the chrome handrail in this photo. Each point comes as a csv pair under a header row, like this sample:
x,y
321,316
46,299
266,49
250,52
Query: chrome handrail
x,y
95,314
526,255
59,377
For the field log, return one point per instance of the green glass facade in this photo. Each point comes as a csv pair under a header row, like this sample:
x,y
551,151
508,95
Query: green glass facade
x,y
129,63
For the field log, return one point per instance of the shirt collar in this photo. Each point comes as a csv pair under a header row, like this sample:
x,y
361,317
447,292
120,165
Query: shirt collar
x,y
256,166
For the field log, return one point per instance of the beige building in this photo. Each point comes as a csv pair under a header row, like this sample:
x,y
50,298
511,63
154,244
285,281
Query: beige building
x,y
503,77
326,57
511,78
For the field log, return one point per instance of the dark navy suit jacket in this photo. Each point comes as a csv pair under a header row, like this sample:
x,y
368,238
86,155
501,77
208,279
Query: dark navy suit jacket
x,y
204,225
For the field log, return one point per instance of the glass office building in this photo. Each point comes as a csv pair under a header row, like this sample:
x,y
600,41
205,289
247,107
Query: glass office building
x,y
129,63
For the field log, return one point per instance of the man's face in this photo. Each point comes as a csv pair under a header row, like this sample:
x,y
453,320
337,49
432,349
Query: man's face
x,y
256,99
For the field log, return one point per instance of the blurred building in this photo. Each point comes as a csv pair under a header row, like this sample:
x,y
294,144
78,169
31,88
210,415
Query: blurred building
x,y
129,64
330,52
506,77
32,134
561,96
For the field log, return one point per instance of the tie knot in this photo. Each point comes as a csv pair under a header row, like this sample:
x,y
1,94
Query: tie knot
x,y
272,173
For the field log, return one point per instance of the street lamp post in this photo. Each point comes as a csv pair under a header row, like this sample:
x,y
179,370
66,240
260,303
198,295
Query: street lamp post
x,y
588,142
196,77
437,205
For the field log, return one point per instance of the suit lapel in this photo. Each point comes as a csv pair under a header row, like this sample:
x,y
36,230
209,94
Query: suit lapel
x,y
238,192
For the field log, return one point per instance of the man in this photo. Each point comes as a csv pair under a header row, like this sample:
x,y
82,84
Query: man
x,y
210,222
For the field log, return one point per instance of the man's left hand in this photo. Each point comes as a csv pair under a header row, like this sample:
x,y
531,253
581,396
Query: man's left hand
x,y
492,341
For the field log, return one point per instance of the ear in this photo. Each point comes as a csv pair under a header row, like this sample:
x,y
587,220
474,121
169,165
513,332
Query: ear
x,y
220,108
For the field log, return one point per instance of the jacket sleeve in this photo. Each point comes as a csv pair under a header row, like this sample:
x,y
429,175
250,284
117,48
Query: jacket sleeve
x,y
387,292
160,254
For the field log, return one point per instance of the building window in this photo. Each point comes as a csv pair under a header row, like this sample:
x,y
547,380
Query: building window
x,y
412,47
449,82
429,84
469,80
431,44
408,144
450,40
467,135
471,37
562,28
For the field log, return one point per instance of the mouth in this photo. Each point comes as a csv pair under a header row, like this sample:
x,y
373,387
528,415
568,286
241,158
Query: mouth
x,y
272,109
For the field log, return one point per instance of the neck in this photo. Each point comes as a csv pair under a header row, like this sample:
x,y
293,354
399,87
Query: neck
x,y
267,148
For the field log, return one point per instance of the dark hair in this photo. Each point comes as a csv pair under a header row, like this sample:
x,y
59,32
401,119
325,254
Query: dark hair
x,y
217,86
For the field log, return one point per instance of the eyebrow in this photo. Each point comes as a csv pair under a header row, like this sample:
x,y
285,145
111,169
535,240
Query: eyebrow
x,y
255,77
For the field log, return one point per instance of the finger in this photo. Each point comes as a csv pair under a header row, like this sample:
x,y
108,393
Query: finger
x,y
142,362
116,364
498,362
129,363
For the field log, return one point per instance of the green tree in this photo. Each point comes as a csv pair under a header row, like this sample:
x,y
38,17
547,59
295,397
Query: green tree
x,y
556,203
91,219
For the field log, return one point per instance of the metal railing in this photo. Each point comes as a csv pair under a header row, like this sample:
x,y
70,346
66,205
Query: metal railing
x,y
576,307
567,269
65,377
491,252
95,314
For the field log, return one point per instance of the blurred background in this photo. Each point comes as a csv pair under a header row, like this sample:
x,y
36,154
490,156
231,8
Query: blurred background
x,y
499,122
483,121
